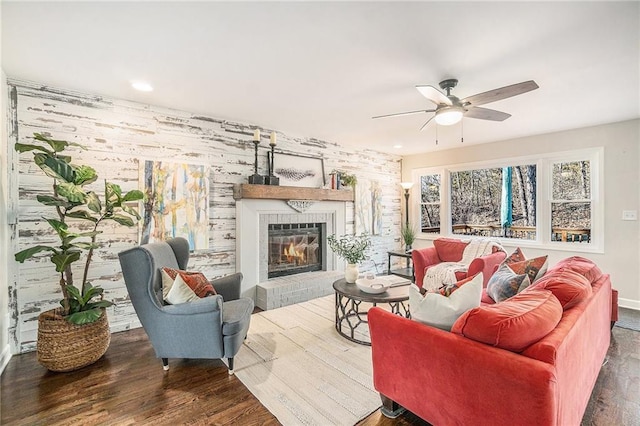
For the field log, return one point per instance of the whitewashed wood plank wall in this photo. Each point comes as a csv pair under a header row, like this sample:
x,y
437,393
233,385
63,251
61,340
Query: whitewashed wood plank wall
x,y
119,135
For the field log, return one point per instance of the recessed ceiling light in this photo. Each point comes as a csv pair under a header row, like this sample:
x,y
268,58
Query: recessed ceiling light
x,y
142,86
398,146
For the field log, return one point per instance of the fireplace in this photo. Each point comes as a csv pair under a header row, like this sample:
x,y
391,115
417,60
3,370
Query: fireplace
x,y
295,248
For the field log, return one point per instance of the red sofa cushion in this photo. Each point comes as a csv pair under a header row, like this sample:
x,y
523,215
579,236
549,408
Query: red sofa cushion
x,y
513,324
581,265
449,249
569,287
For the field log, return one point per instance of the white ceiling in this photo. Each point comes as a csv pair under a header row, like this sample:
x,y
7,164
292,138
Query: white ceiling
x,y
324,69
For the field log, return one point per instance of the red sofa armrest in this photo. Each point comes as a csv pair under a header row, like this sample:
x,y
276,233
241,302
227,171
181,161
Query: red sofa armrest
x,y
422,258
446,379
487,264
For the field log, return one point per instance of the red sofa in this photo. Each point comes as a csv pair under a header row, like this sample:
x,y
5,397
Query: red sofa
x,y
448,378
451,250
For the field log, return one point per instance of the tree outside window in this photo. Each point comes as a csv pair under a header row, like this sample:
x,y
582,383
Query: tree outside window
x,y
494,202
571,201
430,203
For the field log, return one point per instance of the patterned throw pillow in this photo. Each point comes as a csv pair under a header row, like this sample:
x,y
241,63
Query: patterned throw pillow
x,y
534,268
197,282
516,256
447,289
440,311
505,283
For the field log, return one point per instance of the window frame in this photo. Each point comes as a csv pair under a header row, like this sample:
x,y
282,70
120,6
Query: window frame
x,y
544,169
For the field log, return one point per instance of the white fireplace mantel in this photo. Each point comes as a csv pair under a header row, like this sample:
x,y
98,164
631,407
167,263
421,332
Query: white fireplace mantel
x,y
252,219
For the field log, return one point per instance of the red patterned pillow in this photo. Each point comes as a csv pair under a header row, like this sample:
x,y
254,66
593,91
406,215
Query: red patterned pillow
x,y
516,256
533,268
447,289
195,280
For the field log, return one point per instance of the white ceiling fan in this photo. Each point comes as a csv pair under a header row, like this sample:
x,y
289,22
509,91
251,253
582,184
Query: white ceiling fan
x,y
450,110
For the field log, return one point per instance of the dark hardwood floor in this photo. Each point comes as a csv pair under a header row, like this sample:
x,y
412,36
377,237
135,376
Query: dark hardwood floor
x,y
128,386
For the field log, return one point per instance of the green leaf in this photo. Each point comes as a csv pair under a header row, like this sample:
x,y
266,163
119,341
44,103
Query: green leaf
x,y
85,175
100,304
62,260
74,293
82,214
133,212
113,193
84,245
93,202
122,220
72,192
85,317
59,227
54,167
65,158
56,145
23,147
48,200
25,254
133,195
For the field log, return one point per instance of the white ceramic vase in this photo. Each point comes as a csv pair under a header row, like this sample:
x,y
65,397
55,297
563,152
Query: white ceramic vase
x,y
351,273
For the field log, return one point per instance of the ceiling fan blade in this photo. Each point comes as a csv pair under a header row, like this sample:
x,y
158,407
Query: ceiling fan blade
x,y
501,93
434,95
425,124
398,114
486,114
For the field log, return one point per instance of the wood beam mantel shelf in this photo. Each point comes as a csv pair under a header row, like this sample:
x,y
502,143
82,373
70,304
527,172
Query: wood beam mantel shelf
x,y
269,192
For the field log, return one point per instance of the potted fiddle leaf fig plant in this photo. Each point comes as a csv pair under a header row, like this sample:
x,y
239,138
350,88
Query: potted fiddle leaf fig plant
x,y
77,333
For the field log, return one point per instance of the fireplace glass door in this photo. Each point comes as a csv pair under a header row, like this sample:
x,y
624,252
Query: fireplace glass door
x,y
294,248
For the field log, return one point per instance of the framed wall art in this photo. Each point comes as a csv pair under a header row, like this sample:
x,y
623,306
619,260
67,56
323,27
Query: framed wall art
x,y
176,204
298,170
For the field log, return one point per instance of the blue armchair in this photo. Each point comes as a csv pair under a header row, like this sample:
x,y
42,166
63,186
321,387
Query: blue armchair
x,y
213,327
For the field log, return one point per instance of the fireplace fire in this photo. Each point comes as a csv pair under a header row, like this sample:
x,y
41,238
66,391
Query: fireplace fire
x,y
295,248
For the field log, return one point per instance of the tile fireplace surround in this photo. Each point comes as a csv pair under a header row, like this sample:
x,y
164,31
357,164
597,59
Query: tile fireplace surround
x,y
253,217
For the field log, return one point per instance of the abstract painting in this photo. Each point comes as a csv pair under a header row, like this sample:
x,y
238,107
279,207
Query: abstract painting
x,y
368,207
177,203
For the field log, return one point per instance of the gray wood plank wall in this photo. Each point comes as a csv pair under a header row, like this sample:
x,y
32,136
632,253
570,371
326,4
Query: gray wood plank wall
x,y
119,135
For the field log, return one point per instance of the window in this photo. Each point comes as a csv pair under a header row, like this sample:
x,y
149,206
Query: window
x,y
571,201
551,200
430,203
494,202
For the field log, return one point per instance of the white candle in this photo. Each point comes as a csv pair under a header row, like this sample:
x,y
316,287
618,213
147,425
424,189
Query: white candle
x,y
256,135
273,139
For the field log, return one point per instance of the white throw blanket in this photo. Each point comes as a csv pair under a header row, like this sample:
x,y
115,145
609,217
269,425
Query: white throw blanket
x,y
445,272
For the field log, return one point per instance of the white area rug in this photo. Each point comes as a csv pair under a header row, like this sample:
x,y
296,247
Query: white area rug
x,y
303,371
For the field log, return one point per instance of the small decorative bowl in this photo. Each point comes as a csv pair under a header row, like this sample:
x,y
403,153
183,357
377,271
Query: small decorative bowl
x,y
373,286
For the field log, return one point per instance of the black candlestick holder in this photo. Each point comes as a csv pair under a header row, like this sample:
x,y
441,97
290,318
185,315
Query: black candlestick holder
x,y
271,179
256,178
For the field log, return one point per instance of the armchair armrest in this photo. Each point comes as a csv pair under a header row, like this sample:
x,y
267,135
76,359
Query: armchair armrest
x,y
421,259
228,287
486,264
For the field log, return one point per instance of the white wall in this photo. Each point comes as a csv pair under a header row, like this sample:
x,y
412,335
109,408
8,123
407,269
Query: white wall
x,y
119,136
621,142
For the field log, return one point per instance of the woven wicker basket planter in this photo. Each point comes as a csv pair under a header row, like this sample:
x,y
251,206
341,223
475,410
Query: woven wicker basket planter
x,y
63,346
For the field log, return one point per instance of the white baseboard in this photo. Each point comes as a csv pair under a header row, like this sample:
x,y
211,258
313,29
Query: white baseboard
x,y
629,303
4,358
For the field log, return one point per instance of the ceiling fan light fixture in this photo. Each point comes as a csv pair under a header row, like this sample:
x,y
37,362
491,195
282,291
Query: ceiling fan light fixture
x,y
449,115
